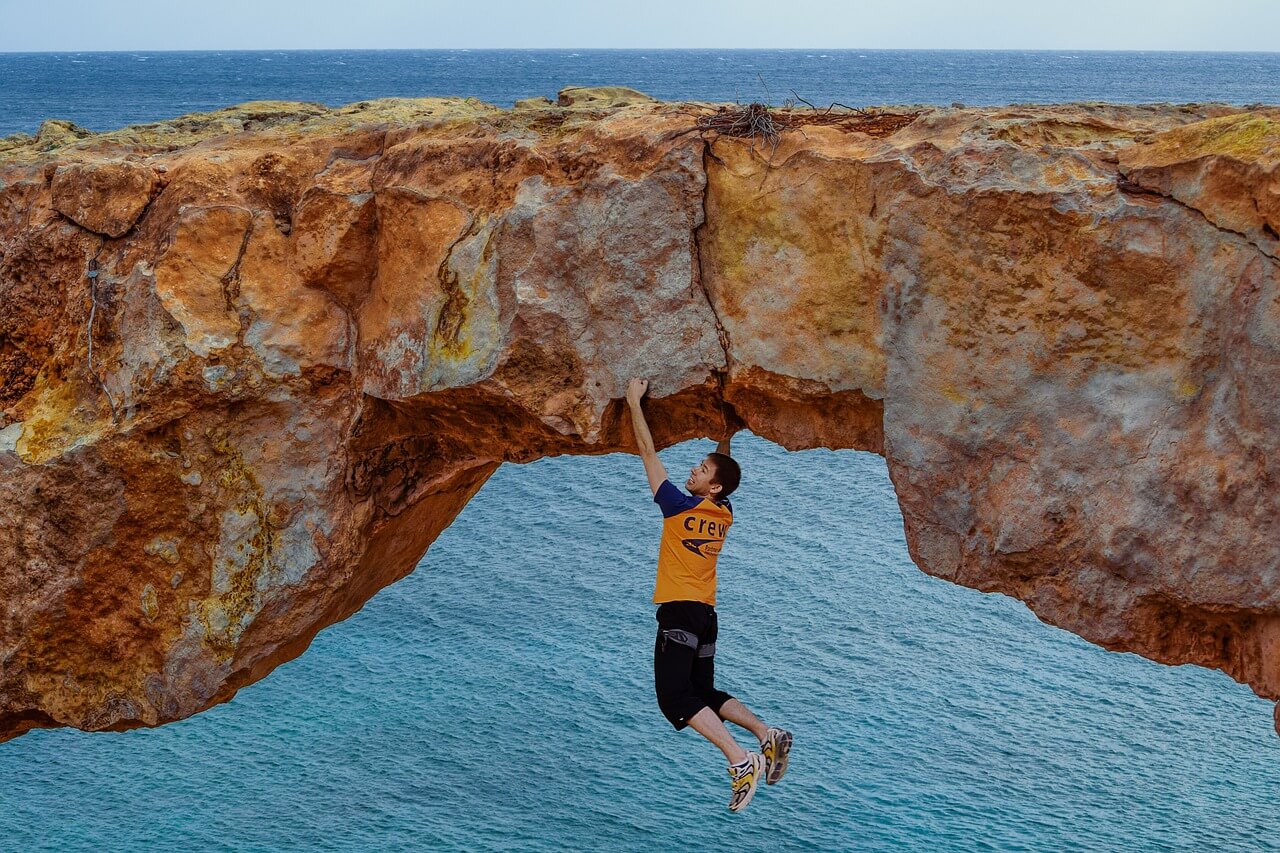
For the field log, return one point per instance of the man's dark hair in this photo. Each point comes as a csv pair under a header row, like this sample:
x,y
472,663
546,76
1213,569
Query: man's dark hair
x,y
727,475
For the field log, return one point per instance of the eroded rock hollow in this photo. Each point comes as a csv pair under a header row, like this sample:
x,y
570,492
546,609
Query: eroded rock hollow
x,y
314,333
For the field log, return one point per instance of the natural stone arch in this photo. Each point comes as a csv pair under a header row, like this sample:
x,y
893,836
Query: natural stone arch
x,y
316,338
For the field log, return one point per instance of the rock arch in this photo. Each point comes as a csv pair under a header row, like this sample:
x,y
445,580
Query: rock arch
x,y
317,332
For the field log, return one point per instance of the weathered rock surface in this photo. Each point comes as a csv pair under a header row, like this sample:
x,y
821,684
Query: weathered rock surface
x,y
317,332
103,197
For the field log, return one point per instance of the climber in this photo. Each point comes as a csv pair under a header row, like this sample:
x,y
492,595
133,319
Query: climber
x,y
693,531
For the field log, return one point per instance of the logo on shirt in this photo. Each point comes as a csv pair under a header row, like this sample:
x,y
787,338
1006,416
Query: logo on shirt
x,y
705,525
702,547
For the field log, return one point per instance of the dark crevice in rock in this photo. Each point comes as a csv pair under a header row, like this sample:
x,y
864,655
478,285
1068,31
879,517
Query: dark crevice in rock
x,y
231,280
1128,186
721,332
161,182
453,312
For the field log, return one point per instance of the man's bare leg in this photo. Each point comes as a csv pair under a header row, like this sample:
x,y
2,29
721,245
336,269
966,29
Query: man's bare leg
x,y
775,744
707,724
735,712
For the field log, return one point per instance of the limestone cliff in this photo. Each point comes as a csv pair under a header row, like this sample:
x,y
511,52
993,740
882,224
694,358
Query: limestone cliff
x,y
314,333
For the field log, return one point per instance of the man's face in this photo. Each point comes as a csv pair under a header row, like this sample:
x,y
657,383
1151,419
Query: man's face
x,y
699,482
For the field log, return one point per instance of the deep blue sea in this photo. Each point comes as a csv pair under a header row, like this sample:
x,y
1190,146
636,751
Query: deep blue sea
x,y
500,698
101,91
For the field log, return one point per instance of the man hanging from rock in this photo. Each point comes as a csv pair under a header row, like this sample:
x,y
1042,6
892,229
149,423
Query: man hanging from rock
x,y
693,531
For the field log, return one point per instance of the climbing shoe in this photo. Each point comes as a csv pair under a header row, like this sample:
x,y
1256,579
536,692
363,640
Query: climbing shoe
x,y
776,749
745,777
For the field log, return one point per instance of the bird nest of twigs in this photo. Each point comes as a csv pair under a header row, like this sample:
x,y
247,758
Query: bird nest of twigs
x,y
763,125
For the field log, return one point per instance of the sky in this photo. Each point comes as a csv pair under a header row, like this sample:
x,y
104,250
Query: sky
x,y
80,25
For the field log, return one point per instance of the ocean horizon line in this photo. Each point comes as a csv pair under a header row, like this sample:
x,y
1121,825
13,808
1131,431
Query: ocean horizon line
x,y
966,50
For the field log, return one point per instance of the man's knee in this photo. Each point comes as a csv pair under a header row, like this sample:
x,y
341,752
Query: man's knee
x,y
679,706
715,699
704,684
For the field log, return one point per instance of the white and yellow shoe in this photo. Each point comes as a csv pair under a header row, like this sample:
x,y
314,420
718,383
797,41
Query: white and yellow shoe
x,y
776,750
745,777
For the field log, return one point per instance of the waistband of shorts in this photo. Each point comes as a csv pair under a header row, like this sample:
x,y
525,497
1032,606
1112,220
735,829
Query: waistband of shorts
x,y
709,608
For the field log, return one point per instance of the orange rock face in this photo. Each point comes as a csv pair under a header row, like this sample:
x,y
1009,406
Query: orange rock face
x,y
106,198
315,334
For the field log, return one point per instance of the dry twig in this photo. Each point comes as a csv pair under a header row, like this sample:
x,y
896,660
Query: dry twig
x,y
764,125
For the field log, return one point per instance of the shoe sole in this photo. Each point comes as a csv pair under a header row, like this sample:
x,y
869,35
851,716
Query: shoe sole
x,y
780,765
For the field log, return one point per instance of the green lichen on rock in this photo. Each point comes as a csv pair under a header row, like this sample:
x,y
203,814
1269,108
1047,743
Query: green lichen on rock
x,y
279,117
1246,136
233,602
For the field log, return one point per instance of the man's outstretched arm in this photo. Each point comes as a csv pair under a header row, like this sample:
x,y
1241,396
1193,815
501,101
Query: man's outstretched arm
x,y
731,425
652,464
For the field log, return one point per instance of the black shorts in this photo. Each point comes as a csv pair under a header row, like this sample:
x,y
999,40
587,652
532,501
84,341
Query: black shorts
x,y
684,664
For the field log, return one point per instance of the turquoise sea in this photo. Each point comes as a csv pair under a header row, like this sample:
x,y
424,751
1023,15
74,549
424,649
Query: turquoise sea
x,y
501,698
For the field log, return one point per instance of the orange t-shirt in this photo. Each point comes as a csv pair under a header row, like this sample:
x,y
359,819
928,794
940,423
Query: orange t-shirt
x,y
693,531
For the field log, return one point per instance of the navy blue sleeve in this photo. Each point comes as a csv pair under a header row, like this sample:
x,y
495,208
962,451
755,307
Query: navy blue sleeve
x,y
672,500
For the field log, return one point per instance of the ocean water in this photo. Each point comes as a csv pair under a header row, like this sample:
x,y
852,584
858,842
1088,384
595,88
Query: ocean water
x,y
101,91
500,698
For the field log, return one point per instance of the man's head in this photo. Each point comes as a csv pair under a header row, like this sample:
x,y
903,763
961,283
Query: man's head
x,y
714,477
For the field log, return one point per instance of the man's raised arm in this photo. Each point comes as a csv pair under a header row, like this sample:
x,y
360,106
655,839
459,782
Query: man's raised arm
x,y
731,425
652,464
